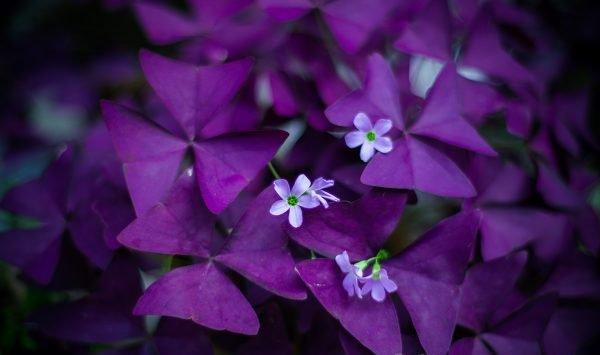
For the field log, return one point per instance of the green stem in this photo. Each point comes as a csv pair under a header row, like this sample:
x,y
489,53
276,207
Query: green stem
x,y
273,171
168,262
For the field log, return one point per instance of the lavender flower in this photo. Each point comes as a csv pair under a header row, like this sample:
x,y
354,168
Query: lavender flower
x,y
369,137
317,191
378,284
353,274
302,195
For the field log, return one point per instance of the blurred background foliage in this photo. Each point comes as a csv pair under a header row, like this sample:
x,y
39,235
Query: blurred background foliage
x,y
38,34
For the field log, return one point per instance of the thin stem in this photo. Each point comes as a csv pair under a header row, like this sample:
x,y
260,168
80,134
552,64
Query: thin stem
x,y
273,171
167,263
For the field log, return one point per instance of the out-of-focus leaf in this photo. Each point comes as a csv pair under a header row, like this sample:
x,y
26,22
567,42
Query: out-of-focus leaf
x,y
10,221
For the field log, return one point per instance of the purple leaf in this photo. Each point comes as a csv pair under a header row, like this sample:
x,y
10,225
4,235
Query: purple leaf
x,y
424,168
151,156
429,34
257,249
428,274
193,94
441,118
353,21
372,323
360,228
164,25
181,224
226,164
202,293
379,98
486,287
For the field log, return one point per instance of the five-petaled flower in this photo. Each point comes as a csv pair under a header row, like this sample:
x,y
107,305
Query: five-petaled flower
x,y
302,195
378,283
369,137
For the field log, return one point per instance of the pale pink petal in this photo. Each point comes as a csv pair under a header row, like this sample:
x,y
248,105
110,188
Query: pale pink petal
x,y
308,201
389,285
343,261
301,185
367,287
383,144
362,122
366,151
378,292
349,283
354,139
320,184
357,290
295,216
382,126
282,188
279,208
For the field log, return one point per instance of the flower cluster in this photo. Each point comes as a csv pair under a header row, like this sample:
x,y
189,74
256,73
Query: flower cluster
x,y
378,282
297,176
302,195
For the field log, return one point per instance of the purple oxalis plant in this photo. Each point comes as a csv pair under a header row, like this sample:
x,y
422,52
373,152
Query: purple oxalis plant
x,y
152,155
434,186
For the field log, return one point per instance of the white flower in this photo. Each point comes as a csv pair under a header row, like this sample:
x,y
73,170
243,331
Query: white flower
x,y
379,284
370,137
353,274
317,191
293,199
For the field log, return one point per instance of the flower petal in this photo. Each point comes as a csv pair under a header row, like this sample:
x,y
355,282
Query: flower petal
x,y
389,285
367,287
301,184
349,284
282,188
279,207
343,261
362,122
307,201
295,216
321,183
354,139
383,144
382,126
366,151
378,292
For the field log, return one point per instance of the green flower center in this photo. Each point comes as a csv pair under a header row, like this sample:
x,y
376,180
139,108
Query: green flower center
x,y
371,136
292,200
